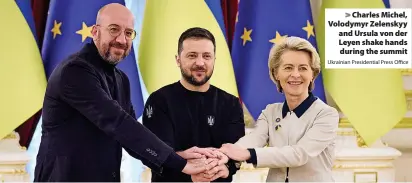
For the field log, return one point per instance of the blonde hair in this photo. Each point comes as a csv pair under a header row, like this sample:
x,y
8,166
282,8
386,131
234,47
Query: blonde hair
x,y
293,44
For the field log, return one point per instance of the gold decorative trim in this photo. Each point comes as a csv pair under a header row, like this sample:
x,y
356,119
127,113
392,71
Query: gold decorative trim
x,y
10,136
409,105
344,123
406,72
340,160
408,93
248,166
346,133
3,164
365,173
13,171
362,166
359,140
404,123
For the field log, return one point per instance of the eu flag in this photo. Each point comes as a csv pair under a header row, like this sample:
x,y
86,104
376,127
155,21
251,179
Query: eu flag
x,y
68,28
261,24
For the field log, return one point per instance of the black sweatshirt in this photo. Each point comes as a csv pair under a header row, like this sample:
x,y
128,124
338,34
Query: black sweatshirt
x,y
184,118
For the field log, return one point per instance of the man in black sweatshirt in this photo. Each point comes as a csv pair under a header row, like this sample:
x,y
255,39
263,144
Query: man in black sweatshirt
x,y
88,116
192,113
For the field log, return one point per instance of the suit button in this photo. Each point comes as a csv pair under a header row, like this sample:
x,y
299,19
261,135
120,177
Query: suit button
x,y
154,154
114,174
148,150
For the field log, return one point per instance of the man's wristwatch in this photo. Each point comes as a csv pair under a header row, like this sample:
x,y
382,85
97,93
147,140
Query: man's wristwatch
x,y
238,164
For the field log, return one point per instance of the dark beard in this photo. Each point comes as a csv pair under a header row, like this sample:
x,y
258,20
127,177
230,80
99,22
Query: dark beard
x,y
113,60
105,51
192,80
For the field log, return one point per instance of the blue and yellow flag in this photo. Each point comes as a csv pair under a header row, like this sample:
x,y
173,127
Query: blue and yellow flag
x,y
69,27
164,21
22,78
216,7
387,3
261,24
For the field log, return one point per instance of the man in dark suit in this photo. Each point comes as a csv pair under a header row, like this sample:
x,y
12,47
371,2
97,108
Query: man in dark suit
x,y
88,116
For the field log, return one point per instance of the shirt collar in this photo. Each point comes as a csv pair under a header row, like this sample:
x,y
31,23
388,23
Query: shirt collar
x,y
302,108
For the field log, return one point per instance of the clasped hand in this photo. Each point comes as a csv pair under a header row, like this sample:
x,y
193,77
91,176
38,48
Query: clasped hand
x,y
214,161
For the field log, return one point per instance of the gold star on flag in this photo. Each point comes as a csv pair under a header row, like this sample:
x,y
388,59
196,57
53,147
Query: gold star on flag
x,y
56,29
278,38
246,35
85,31
309,29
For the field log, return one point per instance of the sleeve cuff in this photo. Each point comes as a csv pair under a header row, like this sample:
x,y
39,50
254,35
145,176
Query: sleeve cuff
x,y
232,167
253,158
175,162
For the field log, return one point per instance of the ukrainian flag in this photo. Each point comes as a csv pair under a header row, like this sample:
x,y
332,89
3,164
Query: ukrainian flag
x,y
22,76
164,21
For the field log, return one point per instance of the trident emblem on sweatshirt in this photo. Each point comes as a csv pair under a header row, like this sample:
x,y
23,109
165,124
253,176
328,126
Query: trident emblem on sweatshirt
x,y
149,111
210,120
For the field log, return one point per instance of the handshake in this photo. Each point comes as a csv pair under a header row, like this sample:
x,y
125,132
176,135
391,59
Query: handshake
x,y
205,164
209,164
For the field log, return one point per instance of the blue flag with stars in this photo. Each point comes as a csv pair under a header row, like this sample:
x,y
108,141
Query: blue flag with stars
x,y
68,28
261,24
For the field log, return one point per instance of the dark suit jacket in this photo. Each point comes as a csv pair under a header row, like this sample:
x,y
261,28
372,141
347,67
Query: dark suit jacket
x,y
87,119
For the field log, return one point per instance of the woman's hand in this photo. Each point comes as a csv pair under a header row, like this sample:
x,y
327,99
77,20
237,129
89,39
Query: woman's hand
x,y
235,152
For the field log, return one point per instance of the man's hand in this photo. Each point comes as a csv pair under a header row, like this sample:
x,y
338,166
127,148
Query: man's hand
x,y
198,160
200,177
235,152
196,166
205,176
197,153
222,158
220,171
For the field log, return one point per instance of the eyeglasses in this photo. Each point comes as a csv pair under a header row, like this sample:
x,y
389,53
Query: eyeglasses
x,y
115,30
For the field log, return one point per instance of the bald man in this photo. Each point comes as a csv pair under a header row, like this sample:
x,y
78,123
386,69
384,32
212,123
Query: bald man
x,y
88,116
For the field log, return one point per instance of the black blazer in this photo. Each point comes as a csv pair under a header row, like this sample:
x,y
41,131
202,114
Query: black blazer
x,y
87,119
